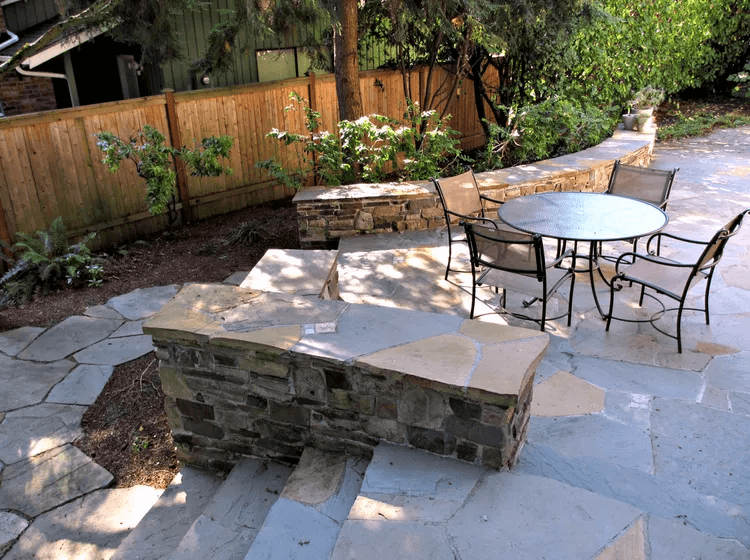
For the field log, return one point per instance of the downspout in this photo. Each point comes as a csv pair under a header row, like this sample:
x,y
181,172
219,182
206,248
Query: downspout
x,y
36,74
9,42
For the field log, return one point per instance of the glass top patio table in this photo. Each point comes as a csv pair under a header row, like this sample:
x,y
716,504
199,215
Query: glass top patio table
x,y
583,216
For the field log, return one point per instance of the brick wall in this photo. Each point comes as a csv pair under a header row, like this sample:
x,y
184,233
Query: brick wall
x,y
26,94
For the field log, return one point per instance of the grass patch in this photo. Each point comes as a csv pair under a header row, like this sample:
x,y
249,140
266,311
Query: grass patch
x,y
699,124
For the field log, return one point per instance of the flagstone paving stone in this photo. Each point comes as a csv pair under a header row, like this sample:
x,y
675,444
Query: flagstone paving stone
x,y
665,496
143,302
36,429
102,312
613,375
11,526
704,446
730,372
580,524
12,342
674,539
115,351
82,385
38,379
49,479
128,328
68,337
88,528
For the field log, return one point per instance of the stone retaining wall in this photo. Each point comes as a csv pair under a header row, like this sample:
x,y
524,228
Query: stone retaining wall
x,y
328,213
266,374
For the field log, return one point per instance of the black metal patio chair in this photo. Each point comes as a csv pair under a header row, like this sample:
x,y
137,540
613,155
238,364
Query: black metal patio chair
x,y
671,278
644,183
515,261
462,200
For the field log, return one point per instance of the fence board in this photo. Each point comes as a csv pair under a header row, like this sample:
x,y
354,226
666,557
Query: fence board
x,y
50,164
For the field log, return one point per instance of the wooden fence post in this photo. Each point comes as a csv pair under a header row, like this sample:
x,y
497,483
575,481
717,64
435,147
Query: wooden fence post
x,y
175,139
4,234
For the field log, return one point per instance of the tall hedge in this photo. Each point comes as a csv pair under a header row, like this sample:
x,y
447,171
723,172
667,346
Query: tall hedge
x,y
672,44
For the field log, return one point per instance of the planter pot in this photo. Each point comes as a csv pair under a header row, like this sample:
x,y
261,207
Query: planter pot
x,y
644,119
629,121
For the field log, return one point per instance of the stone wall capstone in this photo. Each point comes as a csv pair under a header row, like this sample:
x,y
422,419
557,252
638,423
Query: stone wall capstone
x,y
328,213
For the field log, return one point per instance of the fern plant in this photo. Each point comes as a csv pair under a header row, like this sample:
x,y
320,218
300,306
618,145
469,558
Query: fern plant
x,y
46,262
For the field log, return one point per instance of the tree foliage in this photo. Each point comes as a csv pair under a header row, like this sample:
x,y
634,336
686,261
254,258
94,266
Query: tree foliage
x,y
153,160
672,45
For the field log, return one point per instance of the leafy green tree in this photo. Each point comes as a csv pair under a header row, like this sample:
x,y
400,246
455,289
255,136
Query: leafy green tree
x,y
153,161
671,45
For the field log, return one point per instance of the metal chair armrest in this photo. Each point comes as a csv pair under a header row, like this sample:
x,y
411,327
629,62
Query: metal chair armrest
x,y
629,257
485,221
488,199
658,236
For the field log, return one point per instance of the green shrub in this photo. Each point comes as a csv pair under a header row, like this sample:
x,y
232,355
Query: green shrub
x,y
371,149
153,160
698,125
552,128
46,262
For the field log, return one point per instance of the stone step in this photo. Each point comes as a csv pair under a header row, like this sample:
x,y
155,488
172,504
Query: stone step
x,y
166,523
306,520
228,525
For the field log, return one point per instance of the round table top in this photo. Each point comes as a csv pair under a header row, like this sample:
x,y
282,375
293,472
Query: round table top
x,y
583,216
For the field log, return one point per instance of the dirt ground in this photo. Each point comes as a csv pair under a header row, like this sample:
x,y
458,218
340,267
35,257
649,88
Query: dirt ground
x,y
126,429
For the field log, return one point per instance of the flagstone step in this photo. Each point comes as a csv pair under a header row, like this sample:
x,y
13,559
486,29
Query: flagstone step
x,y
306,520
166,523
228,524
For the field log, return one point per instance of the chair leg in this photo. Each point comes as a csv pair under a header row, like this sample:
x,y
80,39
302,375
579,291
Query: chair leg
x,y
544,311
473,296
708,287
570,297
611,303
643,292
679,328
450,253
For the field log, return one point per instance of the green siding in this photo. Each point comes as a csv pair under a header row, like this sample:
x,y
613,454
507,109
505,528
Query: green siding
x,y
194,27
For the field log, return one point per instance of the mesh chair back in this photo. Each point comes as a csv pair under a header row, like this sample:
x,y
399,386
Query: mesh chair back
x,y
713,251
511,251
460,195
649,185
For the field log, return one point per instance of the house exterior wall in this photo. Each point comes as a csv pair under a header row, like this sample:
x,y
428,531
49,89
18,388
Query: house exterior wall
x,y
26,94
194,27
20,16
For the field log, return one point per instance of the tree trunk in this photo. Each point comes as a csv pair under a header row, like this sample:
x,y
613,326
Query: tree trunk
x,y
347,64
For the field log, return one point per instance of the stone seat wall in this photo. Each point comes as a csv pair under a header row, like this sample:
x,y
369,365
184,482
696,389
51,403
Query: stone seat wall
x,y
265,374
328,213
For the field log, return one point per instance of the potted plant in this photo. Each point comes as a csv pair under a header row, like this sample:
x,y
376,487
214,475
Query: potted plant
x,y
629,118
644,102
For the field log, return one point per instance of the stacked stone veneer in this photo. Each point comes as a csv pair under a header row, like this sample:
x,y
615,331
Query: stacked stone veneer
x,y
328,213
266,374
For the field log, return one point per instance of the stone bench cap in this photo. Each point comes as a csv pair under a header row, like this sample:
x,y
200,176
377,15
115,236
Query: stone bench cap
x,y
449,353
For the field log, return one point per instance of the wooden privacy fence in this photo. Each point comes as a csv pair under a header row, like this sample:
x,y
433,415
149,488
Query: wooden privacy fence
x,y
50,164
